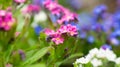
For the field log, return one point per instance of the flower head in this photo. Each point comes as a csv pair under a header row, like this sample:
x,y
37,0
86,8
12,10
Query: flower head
x,y
100,9
67,17
106,46
38,29
96,56
91,39
57,39
62,29
49,32
19,1
30,8
6,20
82,60
8,65
72,30
59,10
17,34
50,5
95,62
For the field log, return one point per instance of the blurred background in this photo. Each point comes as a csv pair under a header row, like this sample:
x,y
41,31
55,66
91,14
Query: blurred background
x,y
89,5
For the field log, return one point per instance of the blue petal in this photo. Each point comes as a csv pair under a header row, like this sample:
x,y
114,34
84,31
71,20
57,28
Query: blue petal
x,y
38,29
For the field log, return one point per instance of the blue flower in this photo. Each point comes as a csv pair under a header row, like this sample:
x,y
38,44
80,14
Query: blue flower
x,y
38,29
115,33
99,12
106,46
53,18
97,27
90,39
75,24
116,19
114,41
82,35
100,9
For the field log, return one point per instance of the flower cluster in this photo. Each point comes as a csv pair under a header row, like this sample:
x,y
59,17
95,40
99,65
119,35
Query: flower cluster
x,y
63,14
30,9
6,20
98,57
19,1
64,29
101,23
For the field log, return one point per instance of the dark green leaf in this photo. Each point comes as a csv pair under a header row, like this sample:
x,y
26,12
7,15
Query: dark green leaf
x,y
36,56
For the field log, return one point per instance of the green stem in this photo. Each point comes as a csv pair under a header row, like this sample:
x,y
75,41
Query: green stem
x,y
2,63
8,54
75,47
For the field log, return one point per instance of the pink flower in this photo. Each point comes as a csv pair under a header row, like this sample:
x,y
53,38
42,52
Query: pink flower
x,y
17,34
31,8
62,29
53,7
56,11
8,17
59,10
8,65
72,30
50,5
2,13
55,36
49,32
57,39
9,9
67,17
6,20
19,1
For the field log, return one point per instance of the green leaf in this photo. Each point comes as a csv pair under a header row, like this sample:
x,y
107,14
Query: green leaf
x,y
88,65
68,60
75,65
8,53
36,56
72,57
117,65
42,35
37,65
2,63
51,59
42,40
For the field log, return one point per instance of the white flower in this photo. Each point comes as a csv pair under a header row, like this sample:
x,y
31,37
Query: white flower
x,y
93,52
82,60
95,62
89,56
41,16
110,55
117,61
95,57
101,53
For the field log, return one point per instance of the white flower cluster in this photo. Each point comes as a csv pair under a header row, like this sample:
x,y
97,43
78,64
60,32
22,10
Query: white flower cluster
x,y
96,56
